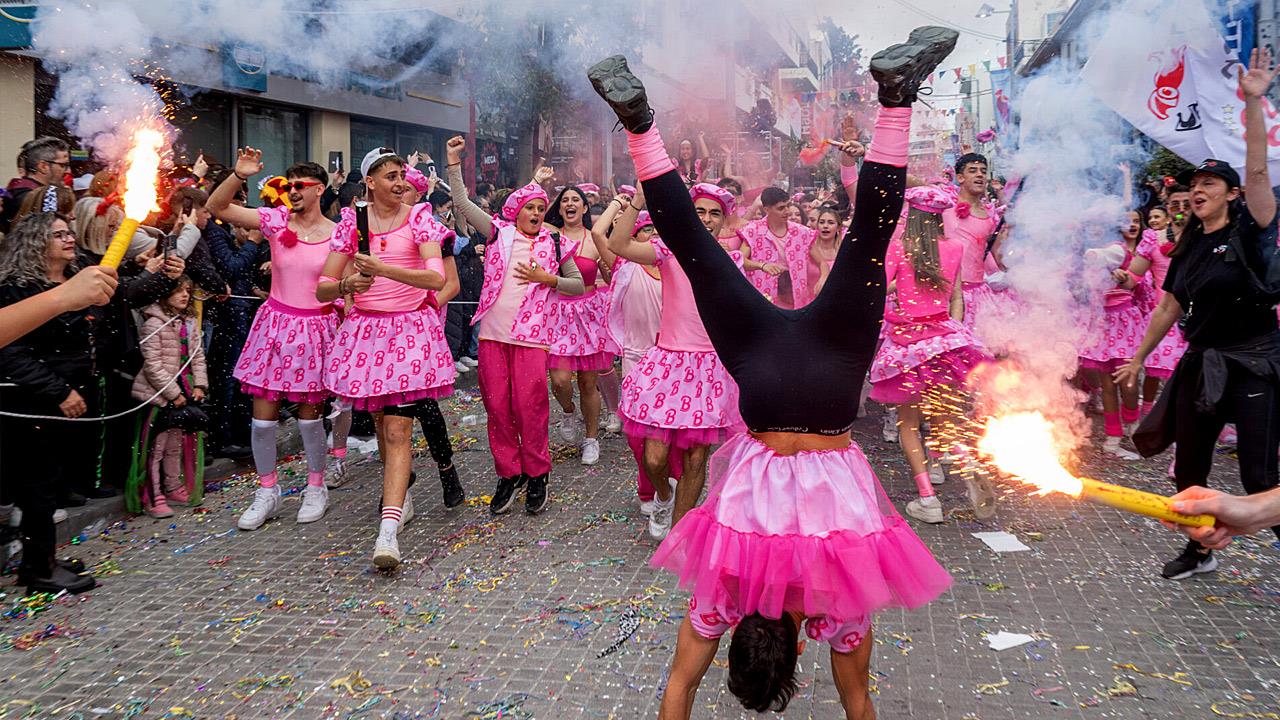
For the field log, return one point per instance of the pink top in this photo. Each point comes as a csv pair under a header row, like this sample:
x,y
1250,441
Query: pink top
x,y
1149,248
296,266
814,271
589,269
635,313
922,299
1116,296
732,242
973,233
681,327
791,251
399,247
496,324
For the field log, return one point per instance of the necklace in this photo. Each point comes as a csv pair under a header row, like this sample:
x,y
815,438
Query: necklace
x,y
306,235
382,236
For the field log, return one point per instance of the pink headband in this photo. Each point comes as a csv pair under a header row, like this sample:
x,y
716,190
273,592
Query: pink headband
x,y
517,200
929,198
643,220
714,192
589,188
627,189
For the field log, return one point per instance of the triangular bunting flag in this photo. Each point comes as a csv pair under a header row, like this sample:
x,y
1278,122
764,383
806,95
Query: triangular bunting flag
x,y
957,72
973,69
987,64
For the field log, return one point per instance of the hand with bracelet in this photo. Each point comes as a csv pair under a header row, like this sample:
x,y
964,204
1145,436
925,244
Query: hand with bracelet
x,y
354,284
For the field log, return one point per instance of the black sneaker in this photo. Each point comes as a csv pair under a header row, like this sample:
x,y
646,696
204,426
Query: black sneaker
x,y
1191,562
899,69
59,579
624,92
75,565
505,494
535,498
452,486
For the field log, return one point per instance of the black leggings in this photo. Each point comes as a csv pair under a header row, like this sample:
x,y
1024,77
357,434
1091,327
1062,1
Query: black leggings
x,y
797,370
1253,404
434,428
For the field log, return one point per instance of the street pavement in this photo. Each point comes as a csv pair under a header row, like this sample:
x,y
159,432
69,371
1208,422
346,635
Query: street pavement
x,y
514,617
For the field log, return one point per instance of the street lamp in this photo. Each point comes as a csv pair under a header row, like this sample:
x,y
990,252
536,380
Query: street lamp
x,y
987,11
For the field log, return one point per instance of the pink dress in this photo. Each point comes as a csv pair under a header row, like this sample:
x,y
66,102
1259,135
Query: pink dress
x,y
292,334
924,346
635,311
972,233
1113,335
679,393
580,337
391,348
1161,362
792,251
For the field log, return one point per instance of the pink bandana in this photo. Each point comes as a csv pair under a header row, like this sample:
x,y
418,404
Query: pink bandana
x,y
517,200
589,188
643,221
714,192
929,198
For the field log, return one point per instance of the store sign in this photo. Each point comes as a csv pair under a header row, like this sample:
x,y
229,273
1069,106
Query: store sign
x,y
375,86
244,68
15,24
489,161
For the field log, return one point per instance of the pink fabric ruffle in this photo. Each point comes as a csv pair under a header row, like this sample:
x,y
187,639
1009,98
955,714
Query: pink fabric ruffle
x,y
1161,362
284,356
376,403
678,438
308,398
596,362
390,359
1112,337
949,369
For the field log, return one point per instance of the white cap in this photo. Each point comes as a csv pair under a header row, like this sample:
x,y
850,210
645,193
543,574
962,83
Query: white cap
x,y
372,157
82,182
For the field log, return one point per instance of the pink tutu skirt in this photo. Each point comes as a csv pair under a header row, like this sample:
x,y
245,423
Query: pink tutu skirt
x,y
580,336
984,304
1112,338
285,354
382,359
683,398
1161,362
901,373
811,532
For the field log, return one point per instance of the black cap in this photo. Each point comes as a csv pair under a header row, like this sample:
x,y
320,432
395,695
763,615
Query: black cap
x,y
1212,167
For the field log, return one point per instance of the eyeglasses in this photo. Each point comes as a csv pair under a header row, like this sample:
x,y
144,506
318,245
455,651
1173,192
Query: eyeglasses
x,y
62,235
1179,204
59,163
300,185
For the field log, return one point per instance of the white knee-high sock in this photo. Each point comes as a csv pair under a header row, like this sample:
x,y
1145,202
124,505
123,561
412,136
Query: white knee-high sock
x,y
313,444
264,445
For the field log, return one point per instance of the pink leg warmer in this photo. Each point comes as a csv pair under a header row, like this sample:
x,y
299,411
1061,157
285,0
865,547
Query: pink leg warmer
x,y
1146,407
923,485
268,480
892,137
1129,414
1111,423
650,155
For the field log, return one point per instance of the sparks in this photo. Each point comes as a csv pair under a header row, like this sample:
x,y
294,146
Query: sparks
x,y
142,169
1023,445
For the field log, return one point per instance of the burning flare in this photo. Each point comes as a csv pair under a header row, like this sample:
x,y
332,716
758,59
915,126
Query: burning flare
x,y
142,169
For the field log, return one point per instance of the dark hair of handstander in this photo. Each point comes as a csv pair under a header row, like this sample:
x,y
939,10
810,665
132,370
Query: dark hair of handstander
x,y
762,662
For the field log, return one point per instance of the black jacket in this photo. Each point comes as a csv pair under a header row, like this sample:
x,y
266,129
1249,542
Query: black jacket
x,y
49,362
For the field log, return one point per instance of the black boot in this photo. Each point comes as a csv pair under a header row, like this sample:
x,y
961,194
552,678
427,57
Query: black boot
x,y
75,565
624,92
58,579
505,494
452,486
535,498
899,69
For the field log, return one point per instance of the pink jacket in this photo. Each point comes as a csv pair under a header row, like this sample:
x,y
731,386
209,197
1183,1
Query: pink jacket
x,y
162,356
530,324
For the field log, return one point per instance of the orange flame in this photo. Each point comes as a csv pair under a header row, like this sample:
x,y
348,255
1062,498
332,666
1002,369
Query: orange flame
x,y
1022,444
142,170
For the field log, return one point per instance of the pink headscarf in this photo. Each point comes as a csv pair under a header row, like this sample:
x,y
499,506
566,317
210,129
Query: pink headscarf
x,y
714,192
643,220
518,199
589,188
929,198
417,179
627,189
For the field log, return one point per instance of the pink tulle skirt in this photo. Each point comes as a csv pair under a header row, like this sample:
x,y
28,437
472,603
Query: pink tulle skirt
x,y
811,532
1112,337
579,332
901,374
382,359
284,356
1161,362
683,398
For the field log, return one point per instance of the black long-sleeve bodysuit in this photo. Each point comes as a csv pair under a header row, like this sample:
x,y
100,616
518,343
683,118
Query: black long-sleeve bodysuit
x,y
799,370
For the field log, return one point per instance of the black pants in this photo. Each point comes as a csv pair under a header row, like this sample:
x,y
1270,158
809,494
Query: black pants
x,y
1253,404
231,410
434,428
116,436
32,471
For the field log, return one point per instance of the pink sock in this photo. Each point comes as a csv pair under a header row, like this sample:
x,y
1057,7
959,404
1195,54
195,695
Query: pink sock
x,y
1111,422
1146,407
890,142
649,154
1129,414
267,481
923,485
340,453
315,479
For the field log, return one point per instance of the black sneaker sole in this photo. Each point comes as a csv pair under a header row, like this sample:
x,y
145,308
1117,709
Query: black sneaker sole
x,y
908,64
613,80
537,510
1209,565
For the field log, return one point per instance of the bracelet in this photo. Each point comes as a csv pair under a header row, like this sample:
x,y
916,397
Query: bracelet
x,y
342,284
633,207
449,165
242,178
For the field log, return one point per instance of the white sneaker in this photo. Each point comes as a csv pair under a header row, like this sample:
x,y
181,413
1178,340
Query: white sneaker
x,y
386,551
660,520
570,427
59,516
889,428
936,474
336,474
1130,429
314,502
462,367
614,424
590,451
406,512
647,506
266,505
1111,446
471,361
926,510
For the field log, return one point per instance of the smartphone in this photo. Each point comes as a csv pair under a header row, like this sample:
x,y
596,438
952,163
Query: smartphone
x,y
335,161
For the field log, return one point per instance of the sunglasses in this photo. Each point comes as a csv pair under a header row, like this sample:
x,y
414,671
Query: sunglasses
x,y
300,185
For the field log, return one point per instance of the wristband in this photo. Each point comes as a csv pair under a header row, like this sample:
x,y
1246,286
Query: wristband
x,y
242,178
1137,279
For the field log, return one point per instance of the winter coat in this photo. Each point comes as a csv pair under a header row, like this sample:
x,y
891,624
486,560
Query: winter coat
x,y
162,357
49,362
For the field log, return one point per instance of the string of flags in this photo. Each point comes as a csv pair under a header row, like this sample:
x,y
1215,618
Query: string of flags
x,y
1002,62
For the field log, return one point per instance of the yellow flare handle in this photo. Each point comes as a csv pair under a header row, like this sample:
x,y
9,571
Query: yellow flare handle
x,y
119,243
1137,501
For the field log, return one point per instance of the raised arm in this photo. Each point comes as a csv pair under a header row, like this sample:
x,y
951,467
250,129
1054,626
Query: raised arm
x,y
248,164
474,215
600,230
620,243
1257,180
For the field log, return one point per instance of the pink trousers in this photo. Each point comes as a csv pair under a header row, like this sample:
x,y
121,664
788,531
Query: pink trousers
x,y
513,385
675,466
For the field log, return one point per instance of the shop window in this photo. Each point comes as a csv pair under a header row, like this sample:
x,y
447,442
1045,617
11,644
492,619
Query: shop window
x,y
280,133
